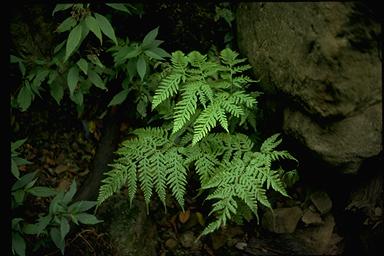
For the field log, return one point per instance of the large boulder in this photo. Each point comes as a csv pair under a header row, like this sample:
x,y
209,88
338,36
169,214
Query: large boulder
x,y
324,59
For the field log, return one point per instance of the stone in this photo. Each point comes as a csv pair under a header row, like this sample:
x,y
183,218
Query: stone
x,y
318,238
321,201
343,144
188,240
319,64
282,220
311,218
171,243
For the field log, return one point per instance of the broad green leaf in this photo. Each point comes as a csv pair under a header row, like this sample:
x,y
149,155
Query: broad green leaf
x,y
96,79
52,76
87,219
18,244
15,170
42,223
18,196
83,65
57,92
61,7
119,98
120,7
72,79
20,161
149,38
84,31
57,239
24,180
153,55
160,52
39,78
155,44
81,206
95,60
15,145
132,53
24,98
92,24
141,107
71,192
66,25
73,41
141,67
58,47
131,68
77,97
15,59
30,184
105,27
64,227
42,191
30,229
22,68
54,205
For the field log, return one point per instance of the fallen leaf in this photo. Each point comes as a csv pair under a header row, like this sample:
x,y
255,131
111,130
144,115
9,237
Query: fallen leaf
x,y
184,216
200,218
61,168
64,185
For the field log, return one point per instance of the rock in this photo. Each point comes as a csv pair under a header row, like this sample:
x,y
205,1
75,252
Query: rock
x,y
187,240
310,217
323,60
171,243
282,220
342,144
321,201
318,238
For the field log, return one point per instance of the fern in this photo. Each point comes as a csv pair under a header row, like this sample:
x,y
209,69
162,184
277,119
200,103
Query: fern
x,y
150,160
213,89
243,176
206,93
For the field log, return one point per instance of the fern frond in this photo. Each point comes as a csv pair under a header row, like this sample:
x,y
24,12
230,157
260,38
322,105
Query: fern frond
x,y
241,69
272,179
270,143
114,182
277,155
158,164
168,88
197,59
145,177
231,107
241,97
207,93
176,175
205,167
186,107
229,57
207,120
179,62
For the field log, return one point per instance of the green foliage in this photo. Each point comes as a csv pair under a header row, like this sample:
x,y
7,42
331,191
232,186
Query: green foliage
x,y
16,160
56,223
209,91
151,160
136,61
72,67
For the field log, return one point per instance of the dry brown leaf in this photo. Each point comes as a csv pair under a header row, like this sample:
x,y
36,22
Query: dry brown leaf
x,y
184,216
